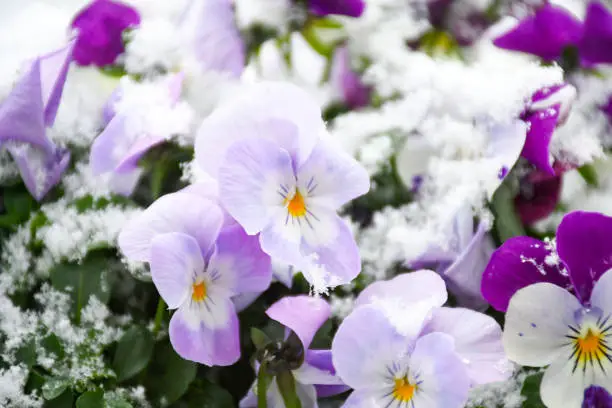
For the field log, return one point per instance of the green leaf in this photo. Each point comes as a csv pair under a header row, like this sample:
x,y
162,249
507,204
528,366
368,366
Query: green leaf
x,y
26,354
18,204
531,390
169,375
82,281
54,387
263,382
210,395
134,352
507,222
589,175
115,401
286,386
259,338
91,399
63,401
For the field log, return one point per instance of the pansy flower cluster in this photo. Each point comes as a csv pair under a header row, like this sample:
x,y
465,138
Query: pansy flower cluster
x,y
306,203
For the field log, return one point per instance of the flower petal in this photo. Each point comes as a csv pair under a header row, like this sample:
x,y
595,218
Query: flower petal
x,y
600,297
596,42
331,177
308,374
351,8
537,321
365,344
175,260
322,359
53,72
253,182
519,262
561,387
541,125
220,346
177,212
302,314
478,342
584,245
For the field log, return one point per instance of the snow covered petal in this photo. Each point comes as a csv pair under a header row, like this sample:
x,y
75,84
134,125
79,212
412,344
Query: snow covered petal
x,y
519,262
478,342
596,42
177,212
281,112
545,34
538,319
218,346
304,315
175,260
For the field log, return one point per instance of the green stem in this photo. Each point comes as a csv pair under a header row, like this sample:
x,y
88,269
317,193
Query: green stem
x,y
263,380
79,304
159,315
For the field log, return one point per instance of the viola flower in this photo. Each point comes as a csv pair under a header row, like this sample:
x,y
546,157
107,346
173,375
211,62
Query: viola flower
x,y
463,261
547,109
313,370
596,42
477,337
347,82
281,177
27,112
545,34
100,28
557,298
140,116
198,267
351,8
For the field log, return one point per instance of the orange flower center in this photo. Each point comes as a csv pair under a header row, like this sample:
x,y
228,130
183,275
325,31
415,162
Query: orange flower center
x,y
296,205
199,292
403,390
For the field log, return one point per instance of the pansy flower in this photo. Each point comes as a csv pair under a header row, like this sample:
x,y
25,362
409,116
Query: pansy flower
x,y
557,302
100,28
353,92
312,369
198,267
27,112
280,176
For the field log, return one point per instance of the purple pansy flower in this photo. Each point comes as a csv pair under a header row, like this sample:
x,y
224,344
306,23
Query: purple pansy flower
x,y
351,8
347,82
316,376
135,127
100,27
546,324
477,337
198,266
27,112
280,176
547,109
463,261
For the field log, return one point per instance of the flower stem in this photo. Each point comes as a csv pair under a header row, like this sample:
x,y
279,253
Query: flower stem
x,y
159,315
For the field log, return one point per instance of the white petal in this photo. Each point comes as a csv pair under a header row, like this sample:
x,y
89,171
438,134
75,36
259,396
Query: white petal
x,y
562,388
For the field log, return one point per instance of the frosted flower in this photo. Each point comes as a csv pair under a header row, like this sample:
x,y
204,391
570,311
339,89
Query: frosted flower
x,y
281,178
315,375
27,112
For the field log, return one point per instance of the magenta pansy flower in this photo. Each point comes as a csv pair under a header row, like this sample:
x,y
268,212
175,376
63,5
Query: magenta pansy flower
x,y
316,376
198,266
595,46
27,112
100,28
280,176
351,8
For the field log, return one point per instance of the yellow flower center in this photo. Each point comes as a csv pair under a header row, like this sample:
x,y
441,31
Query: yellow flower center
x,y
591,346
403,390
199,292
296,205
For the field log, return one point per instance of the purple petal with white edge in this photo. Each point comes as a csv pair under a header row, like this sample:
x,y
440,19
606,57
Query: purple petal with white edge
x,y
332,263
595,46
412,287
240,256
254,181
40,171
212,347
443,376
542,125
545,34
322,359
519,262
208,26
464,275
365,344
302,314
331,178
584,246
478,342
53,73
177,212
277,111
351,8
537,323
175,260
